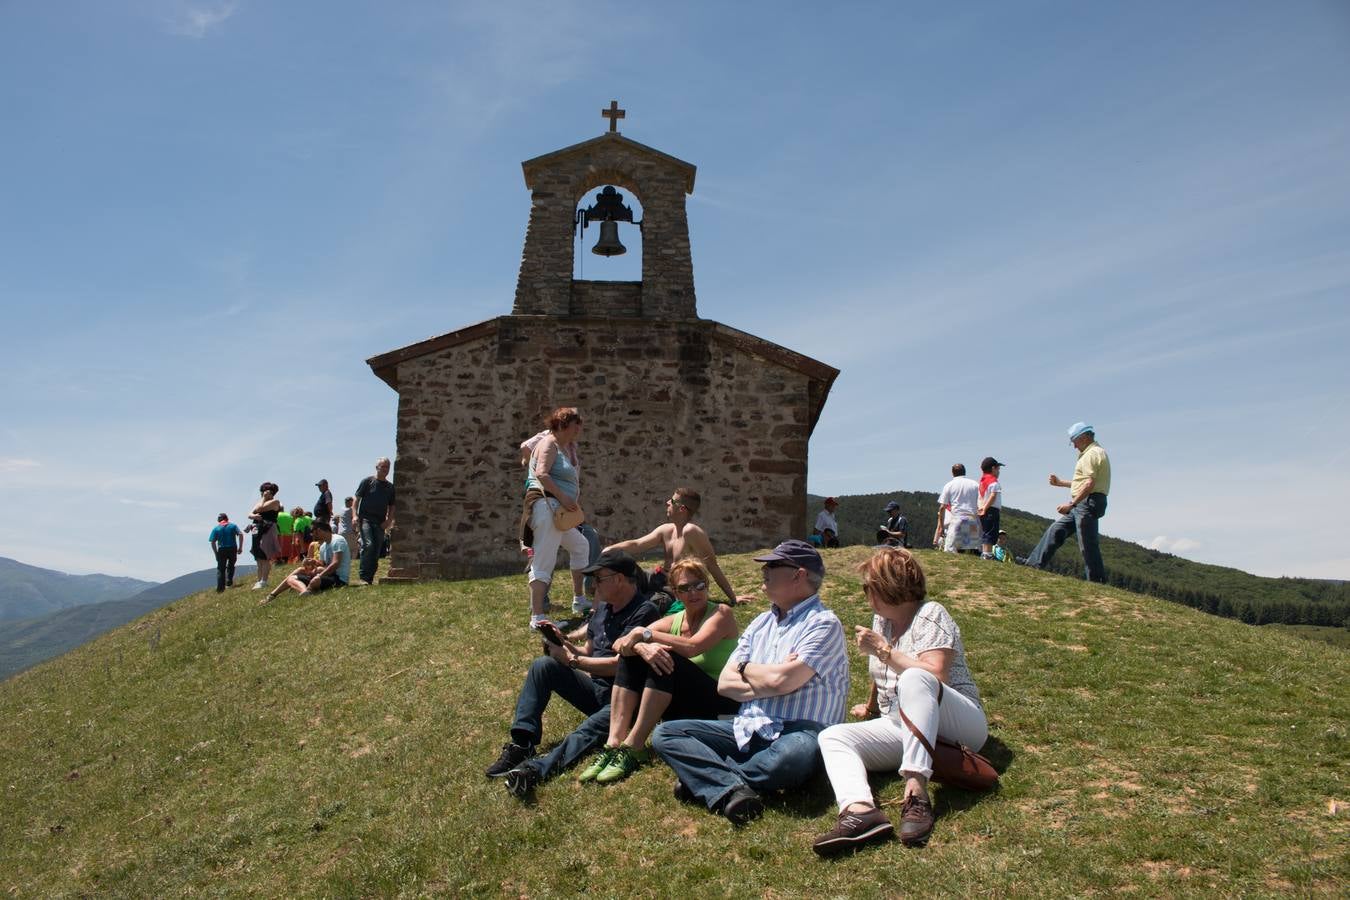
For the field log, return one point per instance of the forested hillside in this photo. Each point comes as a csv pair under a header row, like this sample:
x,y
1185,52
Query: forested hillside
x,y
1222,591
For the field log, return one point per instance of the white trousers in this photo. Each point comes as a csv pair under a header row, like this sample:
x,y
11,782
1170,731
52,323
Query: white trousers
x,y
852,750
548,539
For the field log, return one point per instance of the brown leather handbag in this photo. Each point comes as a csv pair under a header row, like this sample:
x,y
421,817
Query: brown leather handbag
x,y
955,764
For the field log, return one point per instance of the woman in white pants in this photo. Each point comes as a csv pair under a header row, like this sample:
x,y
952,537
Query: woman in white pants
x,y
553,480
915,658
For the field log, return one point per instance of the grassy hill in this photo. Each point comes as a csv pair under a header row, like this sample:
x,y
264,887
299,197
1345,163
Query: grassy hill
x,y
1215,589
28,642
333,747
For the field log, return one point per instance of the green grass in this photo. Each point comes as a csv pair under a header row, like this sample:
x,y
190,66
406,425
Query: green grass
x,y
333,747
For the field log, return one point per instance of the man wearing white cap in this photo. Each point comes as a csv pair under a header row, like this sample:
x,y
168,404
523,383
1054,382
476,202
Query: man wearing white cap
x,y
1087,503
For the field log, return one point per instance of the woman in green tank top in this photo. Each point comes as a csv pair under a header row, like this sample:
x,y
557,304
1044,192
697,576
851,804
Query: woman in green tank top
x,y
667,671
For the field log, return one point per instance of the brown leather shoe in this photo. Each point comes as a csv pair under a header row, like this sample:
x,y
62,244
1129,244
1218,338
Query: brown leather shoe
x,y
854,830
916,820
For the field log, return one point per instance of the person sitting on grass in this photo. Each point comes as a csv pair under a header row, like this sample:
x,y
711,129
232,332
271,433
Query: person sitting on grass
x,y
667,670
918,669
330,570
789,672
583,675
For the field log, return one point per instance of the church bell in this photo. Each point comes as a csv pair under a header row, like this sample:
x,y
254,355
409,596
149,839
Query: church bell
x,y
609,245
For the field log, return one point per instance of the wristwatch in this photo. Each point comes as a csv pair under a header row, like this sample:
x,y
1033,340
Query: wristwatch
x,y
740,668
573,661
646,634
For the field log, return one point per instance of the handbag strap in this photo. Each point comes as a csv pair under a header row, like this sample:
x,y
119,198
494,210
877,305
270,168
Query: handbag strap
x,y
916,732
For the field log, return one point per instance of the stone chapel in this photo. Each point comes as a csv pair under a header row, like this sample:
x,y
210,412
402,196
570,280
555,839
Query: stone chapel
x,y
667,398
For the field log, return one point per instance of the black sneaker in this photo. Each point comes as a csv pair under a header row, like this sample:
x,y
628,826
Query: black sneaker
x,y
742,805
916,820
513,754
521,780
854,830
683,794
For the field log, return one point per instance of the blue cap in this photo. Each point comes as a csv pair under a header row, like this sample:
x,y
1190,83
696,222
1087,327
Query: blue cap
x,y
797,553
892,505
1078,429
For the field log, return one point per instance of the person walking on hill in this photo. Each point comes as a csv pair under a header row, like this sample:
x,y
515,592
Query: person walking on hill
x,y
789,672
226,542
958,522
374,514
681,538
1088,488
553,482
991,504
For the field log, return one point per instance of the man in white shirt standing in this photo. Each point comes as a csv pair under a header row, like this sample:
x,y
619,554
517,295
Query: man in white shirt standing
x,y
958,524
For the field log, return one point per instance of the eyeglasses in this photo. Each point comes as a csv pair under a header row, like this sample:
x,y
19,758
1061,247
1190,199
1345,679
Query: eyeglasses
x,y
692,586
599,579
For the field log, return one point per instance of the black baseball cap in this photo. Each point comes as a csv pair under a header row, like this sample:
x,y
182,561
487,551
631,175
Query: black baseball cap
x,y
222,518
892,505
796,553
321,482
988,463
615,561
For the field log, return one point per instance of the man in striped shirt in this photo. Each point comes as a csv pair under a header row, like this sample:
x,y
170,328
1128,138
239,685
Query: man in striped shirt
x,y
790,673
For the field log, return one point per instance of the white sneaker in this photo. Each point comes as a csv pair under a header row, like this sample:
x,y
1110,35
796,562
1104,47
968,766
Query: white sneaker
x,y
581,606
535,620
259,586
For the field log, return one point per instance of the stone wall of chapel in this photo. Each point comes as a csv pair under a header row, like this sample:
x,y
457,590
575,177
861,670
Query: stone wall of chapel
x,y
663,405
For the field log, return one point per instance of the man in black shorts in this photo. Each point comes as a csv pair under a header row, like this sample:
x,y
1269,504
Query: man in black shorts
x,y
330,571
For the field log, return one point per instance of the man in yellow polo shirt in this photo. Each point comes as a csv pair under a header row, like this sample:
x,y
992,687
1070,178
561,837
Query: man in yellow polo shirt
x,y
1087,503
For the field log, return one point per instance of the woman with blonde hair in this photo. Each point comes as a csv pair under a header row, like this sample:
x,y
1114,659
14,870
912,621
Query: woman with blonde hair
x,y
668,670
918,668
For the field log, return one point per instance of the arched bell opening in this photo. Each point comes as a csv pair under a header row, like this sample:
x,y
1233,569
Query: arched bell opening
x,y
607,235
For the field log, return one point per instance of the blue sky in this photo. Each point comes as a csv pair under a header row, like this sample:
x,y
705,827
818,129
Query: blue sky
x,y
994,218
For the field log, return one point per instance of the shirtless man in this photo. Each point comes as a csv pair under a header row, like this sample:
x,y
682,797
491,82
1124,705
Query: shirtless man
x,y
681,537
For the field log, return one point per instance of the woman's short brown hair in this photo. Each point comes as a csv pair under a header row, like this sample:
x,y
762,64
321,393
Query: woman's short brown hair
x,y
895,576
561,417
691,564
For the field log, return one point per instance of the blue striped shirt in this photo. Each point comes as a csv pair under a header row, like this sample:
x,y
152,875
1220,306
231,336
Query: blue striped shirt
x,y
816,635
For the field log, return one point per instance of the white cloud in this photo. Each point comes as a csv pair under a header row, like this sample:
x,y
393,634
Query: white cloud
x,y
195,21
10,464
1177,546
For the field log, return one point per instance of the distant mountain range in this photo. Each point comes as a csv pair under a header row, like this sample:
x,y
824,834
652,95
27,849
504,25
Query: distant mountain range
x,y
27,591
29,641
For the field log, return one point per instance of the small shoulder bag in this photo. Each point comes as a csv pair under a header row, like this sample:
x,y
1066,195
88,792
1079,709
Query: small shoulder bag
x,y
955,764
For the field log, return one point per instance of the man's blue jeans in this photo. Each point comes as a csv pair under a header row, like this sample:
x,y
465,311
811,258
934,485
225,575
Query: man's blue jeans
x,y
372,541
545,678
1082,521
705,757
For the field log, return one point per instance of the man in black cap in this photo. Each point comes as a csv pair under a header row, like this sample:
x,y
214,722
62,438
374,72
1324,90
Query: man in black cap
x,y
582,674
789,672
895,532
323,507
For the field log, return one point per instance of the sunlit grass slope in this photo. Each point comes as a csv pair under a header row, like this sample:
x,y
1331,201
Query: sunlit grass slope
x,y
333,746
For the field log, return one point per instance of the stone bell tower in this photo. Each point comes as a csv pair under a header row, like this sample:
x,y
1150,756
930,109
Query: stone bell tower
x,y
667,399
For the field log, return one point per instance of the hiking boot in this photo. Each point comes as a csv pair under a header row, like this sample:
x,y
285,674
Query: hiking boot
x,y
854,830
916,820
521,780
597,765
742,805
683,793
624,762
513,754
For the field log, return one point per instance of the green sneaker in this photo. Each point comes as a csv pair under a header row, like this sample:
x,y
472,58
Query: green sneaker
x,y
624,762
598,765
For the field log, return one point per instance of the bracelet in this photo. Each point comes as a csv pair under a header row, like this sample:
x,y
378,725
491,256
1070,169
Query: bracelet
x,y
885,655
